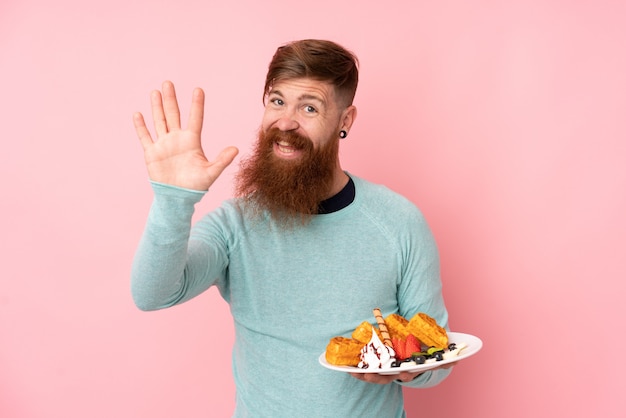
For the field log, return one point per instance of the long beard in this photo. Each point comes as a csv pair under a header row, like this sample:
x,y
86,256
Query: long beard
x,y
289,190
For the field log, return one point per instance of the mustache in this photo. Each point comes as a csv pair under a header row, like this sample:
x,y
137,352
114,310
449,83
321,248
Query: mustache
x,y
291,137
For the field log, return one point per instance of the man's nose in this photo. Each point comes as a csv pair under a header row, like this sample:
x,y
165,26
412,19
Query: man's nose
x,y
287,122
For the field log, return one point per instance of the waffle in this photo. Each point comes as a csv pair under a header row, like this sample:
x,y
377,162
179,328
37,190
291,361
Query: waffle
x,y
342,351
427,331
397,326
363,333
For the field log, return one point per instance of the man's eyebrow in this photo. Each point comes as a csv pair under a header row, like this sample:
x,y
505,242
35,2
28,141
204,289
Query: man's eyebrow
x,y
304,97
311,97
276,92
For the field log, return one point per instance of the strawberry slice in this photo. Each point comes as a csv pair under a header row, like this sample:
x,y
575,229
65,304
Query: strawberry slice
x,y
399,347
412,345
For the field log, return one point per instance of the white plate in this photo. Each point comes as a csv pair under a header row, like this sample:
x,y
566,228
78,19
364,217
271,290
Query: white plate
x,y
474,344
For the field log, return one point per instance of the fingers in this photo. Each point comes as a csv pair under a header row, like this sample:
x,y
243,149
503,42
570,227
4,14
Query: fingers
x,y
142,130
158,115
196,113
223,160
383,379
165,112
407,376
449,365
170,106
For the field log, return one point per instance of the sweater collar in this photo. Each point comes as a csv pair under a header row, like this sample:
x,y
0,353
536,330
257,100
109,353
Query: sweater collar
x,y
340,200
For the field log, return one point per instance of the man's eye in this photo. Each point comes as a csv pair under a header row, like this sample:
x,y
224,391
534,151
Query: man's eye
x,y
310,109
278,102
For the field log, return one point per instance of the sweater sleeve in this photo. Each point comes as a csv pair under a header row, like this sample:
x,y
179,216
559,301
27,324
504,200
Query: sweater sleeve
x,y
421,289
164,272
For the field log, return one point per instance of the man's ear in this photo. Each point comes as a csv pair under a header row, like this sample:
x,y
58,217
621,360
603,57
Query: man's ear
x,y
347,118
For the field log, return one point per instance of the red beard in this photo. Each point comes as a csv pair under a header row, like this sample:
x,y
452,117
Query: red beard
x,y
289,190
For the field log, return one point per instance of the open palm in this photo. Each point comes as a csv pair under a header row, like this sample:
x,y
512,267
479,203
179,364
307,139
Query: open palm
x,y
176,156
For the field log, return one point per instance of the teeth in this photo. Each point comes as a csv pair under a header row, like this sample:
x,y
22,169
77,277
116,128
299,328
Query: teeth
x,y
285,147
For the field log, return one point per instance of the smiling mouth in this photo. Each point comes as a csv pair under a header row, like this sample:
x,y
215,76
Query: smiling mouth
x,y
289,145
285,147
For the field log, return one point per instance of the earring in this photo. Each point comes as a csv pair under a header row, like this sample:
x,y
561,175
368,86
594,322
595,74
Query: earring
x,y
343,134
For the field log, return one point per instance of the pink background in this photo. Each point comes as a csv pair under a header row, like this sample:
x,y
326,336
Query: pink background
x,y
503,121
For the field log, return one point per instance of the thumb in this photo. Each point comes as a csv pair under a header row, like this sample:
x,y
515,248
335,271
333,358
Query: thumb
x,y
223,159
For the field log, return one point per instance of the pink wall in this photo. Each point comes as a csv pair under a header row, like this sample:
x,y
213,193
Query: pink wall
x,y
503,121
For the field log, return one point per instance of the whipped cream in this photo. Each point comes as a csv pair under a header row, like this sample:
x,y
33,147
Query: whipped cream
x,y
376,355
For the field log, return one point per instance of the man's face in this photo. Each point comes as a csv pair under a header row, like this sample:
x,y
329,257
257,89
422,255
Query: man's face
x,y
306,107
295,163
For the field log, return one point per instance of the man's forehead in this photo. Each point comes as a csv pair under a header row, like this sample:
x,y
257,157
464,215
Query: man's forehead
x,y
304,89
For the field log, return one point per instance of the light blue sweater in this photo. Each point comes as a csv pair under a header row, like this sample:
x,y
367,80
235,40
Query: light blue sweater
x,y
290,291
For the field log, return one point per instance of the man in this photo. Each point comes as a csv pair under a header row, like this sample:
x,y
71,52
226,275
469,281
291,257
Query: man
x,y
303,253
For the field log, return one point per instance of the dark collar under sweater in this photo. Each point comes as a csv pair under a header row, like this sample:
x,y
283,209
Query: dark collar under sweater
x,y
340,200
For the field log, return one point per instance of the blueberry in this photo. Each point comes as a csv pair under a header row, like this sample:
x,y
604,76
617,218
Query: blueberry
x,y
419,359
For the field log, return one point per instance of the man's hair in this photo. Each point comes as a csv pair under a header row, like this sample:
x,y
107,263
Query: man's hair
x,y
317,59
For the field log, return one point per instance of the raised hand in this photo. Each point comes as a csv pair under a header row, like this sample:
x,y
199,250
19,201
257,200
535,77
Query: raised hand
x,y
176,156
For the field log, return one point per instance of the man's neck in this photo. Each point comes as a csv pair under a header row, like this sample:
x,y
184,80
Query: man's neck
x,y
340,200
339,182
